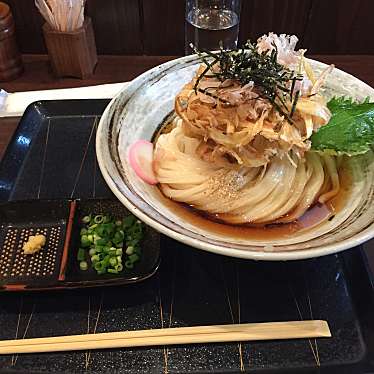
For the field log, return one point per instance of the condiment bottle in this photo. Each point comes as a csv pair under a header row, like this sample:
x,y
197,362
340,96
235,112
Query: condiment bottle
x,y
10,58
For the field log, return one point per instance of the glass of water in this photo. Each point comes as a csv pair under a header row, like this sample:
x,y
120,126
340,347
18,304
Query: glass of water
x,y
211,22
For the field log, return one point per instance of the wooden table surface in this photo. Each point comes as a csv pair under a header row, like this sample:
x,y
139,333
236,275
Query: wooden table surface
x,y
112,69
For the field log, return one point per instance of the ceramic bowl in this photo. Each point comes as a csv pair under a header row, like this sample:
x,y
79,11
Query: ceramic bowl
x,y
137,112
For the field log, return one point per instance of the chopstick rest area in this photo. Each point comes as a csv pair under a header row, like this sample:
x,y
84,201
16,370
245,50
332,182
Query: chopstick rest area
x,y
171,336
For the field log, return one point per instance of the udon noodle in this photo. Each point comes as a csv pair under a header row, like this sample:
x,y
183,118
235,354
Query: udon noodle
x,y
233,154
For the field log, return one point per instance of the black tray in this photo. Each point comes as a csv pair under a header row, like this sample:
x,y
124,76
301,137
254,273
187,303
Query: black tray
x,y
191,287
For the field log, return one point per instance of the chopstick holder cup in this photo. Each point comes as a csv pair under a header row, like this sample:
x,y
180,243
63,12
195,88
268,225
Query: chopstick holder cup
x,y
72,53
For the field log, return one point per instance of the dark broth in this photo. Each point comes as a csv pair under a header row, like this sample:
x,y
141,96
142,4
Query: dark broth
x,y
309,220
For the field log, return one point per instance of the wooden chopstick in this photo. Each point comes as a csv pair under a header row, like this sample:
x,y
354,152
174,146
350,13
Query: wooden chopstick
x,y
169,336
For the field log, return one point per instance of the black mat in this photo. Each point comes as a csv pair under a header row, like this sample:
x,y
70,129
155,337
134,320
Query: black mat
x,y
52,156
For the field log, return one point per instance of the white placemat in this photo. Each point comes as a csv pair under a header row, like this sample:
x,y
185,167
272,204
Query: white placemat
x,y
14,104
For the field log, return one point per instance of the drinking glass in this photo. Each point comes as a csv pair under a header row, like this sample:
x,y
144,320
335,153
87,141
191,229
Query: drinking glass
x,y
211,22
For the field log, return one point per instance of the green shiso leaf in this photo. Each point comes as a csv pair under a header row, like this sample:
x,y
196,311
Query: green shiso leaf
x,y
350,130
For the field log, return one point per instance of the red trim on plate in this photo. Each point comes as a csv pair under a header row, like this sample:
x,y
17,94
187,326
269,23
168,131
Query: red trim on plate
x,y
15,287
64,259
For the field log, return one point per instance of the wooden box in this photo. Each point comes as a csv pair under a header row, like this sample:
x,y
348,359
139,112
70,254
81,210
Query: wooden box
x,y
72,54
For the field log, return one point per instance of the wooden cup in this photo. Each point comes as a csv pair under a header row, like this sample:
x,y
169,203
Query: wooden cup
x,y
10,59
73,53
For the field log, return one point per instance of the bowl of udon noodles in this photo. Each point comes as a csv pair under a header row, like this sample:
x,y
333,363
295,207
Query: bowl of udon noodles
x,y
249,152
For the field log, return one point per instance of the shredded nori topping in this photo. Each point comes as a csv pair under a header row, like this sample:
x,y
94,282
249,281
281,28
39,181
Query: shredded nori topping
x,y
274,81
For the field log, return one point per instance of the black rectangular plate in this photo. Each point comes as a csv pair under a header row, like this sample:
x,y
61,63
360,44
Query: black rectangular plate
x,y
191,287
44,270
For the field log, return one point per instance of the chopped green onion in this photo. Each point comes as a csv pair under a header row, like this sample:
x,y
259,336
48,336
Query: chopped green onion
x,y
81,256
119,267
92,252
128,221
84,241
130,250
129,264
83,265
119,252
105,261
119,236
113,261
101,230
101,242
99,218
103,239
86,219
99,266
134,257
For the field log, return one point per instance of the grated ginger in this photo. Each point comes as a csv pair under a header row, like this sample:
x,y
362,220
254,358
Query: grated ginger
x,y
34,244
